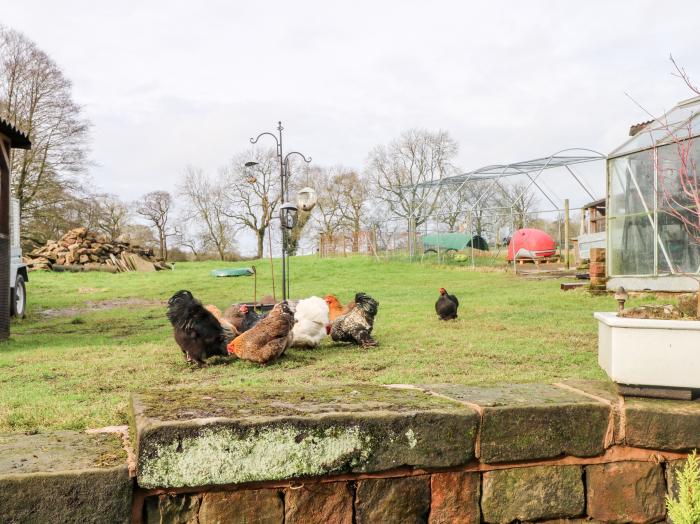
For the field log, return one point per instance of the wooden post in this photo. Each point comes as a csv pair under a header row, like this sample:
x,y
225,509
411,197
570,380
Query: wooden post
x,y
566,231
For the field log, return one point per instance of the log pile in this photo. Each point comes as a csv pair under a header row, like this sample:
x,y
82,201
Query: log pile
x,y
83,250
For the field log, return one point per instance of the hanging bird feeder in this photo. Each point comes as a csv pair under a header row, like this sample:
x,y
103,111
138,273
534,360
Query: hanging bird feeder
x,y
307,198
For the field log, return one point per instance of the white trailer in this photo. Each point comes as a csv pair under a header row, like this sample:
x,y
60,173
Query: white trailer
x,y
19,275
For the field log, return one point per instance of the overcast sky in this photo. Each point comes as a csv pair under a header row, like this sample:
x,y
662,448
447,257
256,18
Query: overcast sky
x,y
168,83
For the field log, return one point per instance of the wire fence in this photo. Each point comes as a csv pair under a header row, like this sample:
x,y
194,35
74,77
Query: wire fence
x,y
476,243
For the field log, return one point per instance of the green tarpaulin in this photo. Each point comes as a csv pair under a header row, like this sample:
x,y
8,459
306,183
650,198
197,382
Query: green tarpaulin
x,y
452,241
445,241
237,272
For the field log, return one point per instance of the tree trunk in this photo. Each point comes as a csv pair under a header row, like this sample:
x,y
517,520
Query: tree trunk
x,y
161,243
261,238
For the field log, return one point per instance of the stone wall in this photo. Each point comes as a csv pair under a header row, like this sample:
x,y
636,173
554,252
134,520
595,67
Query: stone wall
x,y
361,454
438,454
624,491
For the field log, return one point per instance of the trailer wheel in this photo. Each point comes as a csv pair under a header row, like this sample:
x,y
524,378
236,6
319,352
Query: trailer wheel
x,y
18,304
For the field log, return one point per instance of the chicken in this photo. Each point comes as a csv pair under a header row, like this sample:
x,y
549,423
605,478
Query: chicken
x,y
230,332
311,315
446,305
336,308
356,325
197,331
241,317
268,339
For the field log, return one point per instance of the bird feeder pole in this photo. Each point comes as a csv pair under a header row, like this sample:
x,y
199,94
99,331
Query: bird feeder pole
x,y
286,206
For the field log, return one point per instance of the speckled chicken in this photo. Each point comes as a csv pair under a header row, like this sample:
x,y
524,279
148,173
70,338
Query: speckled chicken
x,y
335,308
356,325
268,339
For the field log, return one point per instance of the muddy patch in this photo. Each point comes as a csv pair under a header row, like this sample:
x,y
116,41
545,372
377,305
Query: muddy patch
x,y
102,305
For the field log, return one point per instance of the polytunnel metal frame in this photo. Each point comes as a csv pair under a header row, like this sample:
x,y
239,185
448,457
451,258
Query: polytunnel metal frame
x,y
532,169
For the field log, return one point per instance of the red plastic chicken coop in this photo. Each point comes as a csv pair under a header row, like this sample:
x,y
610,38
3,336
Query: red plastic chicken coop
x,y
530,244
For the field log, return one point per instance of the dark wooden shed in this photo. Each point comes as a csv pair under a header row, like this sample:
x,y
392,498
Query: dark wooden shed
x,y
10,138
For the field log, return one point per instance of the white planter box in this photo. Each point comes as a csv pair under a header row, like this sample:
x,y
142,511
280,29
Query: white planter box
x,y
644,352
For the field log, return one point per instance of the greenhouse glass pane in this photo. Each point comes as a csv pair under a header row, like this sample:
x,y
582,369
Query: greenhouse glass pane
x,y
682,122
675,117
626,197
682,248
631,245
643,140
678,169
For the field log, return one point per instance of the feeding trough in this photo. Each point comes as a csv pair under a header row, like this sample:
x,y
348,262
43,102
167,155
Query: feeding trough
x,y
233,272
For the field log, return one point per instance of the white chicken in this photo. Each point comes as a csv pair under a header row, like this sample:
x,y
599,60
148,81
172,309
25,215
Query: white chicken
x,y
312,322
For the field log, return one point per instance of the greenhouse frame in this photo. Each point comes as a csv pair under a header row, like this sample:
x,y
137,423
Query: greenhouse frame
x,y
652,213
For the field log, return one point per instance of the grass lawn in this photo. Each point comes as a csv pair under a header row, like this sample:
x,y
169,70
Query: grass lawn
x,y
91,338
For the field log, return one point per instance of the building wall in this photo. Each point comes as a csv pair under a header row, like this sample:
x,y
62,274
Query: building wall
x,y
4,237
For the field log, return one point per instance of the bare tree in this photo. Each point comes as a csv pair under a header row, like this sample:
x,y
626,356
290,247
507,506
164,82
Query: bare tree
x,y
155,207
113,215
36,97
208,205
353,193
327,213
188,238
140,235
454,205
252,193
520,199
403,170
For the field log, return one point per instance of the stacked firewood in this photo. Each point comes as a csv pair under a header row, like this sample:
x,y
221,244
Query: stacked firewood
x,y
84,250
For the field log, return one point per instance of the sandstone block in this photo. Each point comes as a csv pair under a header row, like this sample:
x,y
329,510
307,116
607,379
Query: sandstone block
x,y
534,493
532,421
262,506
209,437
662,424
626,492
64,476
323,503
393,500
180,509
455,498
671,469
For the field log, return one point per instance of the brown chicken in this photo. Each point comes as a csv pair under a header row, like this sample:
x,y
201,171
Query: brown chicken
x,y
268,339
335,308
217,313
230,331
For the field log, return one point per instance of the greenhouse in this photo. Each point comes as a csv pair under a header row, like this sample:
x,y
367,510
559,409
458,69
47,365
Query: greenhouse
x,y
653,216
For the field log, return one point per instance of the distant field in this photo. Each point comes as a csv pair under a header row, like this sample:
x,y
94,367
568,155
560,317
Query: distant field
x,y
91,338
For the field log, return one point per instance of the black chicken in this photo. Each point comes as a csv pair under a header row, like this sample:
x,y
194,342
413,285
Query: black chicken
x,y
446,306
197,331
356,325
